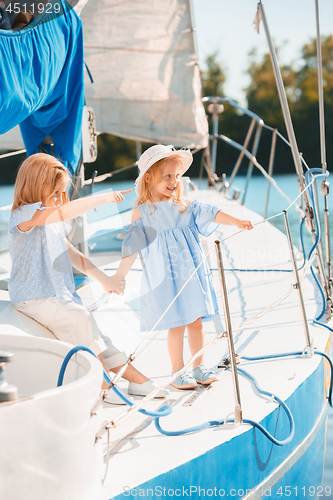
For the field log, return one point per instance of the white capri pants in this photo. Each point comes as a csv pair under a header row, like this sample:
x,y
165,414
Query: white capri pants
x,y
73,323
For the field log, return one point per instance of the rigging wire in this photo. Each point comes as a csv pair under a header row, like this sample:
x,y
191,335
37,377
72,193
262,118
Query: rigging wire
x,y
139,347
249,320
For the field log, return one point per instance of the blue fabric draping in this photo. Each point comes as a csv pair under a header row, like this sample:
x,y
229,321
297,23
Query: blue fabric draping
x,y
42,82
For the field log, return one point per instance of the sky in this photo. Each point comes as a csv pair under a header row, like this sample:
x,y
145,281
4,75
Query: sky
x,y
226,27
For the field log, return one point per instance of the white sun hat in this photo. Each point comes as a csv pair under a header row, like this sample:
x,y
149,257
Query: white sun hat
x,y
156,153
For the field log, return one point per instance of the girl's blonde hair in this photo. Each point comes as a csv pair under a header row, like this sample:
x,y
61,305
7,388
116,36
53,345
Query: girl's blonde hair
x,y
37,177
154,177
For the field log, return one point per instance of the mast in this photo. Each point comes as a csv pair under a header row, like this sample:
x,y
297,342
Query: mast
x,y
325,184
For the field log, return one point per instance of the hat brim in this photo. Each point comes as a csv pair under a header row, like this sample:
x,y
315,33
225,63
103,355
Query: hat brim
x,y
187,160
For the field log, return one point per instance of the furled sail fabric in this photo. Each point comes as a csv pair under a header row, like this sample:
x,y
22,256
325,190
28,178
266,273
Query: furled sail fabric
x,y
42,84
142,59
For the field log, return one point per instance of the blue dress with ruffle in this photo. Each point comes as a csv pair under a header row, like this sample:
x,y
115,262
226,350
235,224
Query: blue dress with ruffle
x,y
168,243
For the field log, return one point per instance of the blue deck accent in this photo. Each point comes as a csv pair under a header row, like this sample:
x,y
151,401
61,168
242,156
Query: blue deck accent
x,y
81,280
246,460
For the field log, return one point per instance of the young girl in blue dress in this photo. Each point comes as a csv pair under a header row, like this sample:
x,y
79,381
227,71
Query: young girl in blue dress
x,y
165,231
41,283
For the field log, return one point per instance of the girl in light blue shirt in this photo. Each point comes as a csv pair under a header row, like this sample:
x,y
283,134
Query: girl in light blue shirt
x,y
41,283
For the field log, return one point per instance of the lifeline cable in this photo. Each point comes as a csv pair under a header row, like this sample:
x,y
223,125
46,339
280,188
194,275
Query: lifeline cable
x,y
316,320
138,348
165,410
244,324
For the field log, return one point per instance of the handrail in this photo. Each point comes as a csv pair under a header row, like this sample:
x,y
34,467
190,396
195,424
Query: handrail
x,y
103,177
254,152
241,156
326,281
260,167
243,148
221,99
270,169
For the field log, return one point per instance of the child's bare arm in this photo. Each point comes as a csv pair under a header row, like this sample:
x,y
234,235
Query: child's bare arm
x,y
127,262
72,209
227,219
82,263
125,265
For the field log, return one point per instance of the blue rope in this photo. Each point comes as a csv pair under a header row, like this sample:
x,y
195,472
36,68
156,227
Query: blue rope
x,y
162,412
329,397
281,403
322,296
297,353
88,71
307,180
302,242
316,320
272,356
167,409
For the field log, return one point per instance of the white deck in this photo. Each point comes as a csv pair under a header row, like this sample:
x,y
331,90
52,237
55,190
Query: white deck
x,y
278,331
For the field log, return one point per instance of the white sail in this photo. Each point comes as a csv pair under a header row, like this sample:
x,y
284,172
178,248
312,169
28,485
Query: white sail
x,y
12,139
142,58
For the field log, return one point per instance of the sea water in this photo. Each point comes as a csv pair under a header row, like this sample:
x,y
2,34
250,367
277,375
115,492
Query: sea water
x,y
255,200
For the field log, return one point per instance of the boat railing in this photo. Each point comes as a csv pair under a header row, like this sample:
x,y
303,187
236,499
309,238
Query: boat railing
x,y
307,350
215,107
256,124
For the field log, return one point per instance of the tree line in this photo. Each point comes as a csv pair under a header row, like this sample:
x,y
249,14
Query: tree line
x,y
262,98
